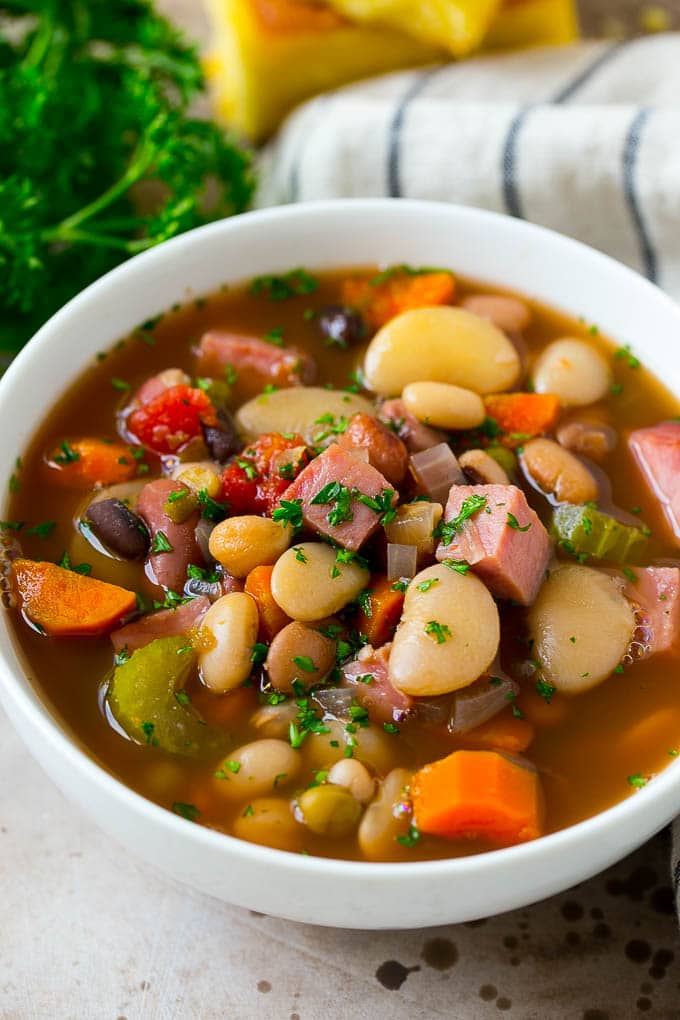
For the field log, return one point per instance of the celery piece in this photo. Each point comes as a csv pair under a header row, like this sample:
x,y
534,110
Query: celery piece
x,y
141,696
585,532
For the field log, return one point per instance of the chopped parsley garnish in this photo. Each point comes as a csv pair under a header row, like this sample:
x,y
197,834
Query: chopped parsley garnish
x,y
119,384
516,711
390,727
79,568
160,543
228,767
365,678
12,525
147,729
426,585
274,336
625,354
359,714
211,510
630,574
188,811
514,523
299,554
285,286
248,812
616,389
248,467
276,698
364,601
305,663
68,455
287,471
230,374
380,504
181,695
171,601
122,656
259,653
202,574
320,777
279,777
403,269
470,506
304,723
545,690
439,631
42,530
410,838
460,566
335,427
339,498
638,780
289,511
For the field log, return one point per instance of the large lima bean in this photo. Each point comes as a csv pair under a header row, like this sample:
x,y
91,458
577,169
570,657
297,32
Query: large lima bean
x,y
242,543
581,625
443,344
572,370
309,585
256,769
448,635
444,406
226,639
297,410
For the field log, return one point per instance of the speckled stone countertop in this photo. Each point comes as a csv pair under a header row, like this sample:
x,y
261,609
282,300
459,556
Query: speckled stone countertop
x,y
87,932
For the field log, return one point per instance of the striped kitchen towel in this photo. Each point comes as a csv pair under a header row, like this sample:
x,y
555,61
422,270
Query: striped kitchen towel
x,y
584,139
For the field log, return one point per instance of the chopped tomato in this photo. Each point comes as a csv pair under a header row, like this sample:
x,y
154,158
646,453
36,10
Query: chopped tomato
x,y
254,481
171,419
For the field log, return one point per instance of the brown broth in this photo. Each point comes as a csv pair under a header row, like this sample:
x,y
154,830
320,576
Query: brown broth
x,y
625,726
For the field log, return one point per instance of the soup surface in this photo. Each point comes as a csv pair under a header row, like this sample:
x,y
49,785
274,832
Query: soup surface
x,y
372,565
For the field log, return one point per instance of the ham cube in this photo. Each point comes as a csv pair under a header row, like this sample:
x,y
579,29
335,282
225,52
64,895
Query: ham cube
x,y
351,521
504,541
247,355
177,622
384,703
656,590
657,451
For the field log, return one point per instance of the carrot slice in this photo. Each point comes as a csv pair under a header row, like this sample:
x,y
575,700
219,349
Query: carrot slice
x,y
89,462
478,794
399,292
65,604
380,613
272,617
505,732
522,415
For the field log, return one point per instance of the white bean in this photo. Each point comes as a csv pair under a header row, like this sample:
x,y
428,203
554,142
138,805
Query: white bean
x,y
297,410
225,641
448,635
572,370
508,313
444,406
309,585
383,821
558,472
274,720
242,543
369,744
258,768
482,469
443,344
355,777
270,822
581,625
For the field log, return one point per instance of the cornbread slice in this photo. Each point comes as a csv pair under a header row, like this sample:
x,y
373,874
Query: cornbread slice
x,y
533,23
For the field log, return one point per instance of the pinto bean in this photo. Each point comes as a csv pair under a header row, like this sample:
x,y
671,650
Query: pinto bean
x,y
482,469
385,450
443,344
226,639
573,370
242,543
590,439
386,817
169,567
299,653
443,405
558,472
118,529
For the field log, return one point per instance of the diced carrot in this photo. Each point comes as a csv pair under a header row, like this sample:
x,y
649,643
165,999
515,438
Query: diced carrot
x,y
505,732
542,712
66,604
85,463
272,618
522,415
380,613
399,292
478,794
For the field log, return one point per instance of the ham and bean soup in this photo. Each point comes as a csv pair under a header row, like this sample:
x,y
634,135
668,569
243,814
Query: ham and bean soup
x,y
379,565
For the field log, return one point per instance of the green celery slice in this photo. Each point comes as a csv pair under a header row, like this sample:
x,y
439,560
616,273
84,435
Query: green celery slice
x,y
588,533
141,696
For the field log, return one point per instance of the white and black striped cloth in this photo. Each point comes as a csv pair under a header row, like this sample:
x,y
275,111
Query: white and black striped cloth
x,y
584,139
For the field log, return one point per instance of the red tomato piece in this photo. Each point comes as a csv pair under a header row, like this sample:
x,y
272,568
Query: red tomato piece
x,y
253,483
171,419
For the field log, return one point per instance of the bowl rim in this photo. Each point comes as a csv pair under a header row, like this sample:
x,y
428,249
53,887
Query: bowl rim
x,y
656,802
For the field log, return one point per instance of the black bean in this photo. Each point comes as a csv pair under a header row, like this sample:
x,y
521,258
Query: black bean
x,y
222,439
118,528
341,326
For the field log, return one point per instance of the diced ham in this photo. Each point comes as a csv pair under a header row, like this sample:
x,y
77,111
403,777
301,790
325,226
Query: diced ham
x,y
657,592
337,465
280,366
169,568
413,433
383,701
157,384
177,622
657,451
510,561
386,452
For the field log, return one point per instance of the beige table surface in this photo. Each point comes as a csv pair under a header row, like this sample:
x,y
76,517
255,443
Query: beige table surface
x,y
89,933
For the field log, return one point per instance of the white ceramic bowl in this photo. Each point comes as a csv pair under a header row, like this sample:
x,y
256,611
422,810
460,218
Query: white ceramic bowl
x,y
481,245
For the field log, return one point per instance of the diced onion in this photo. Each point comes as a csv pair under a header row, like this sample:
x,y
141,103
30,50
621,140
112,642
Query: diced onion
x,y
481,701
436,470
413,525
335,701
402,562
204,530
